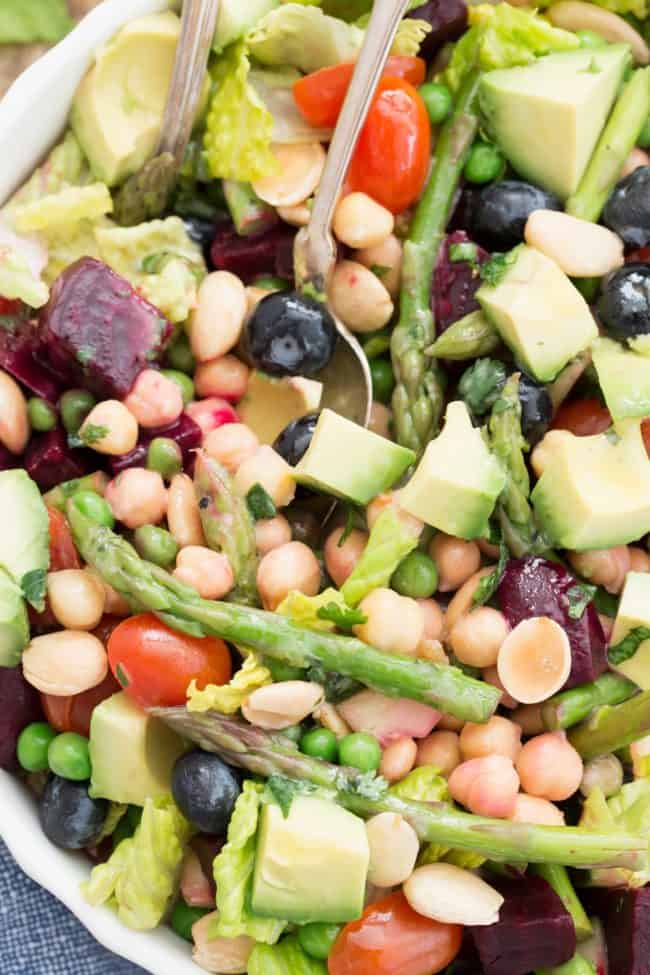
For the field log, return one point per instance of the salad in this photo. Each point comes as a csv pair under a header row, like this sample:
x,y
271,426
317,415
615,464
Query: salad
x,y
409,734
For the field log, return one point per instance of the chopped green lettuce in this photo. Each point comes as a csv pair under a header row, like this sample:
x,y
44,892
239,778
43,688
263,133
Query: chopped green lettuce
x,y
228,698
304,609
424,784
628,811
233,874
64,208
410,35
285,958
17,279
274,87
65,166
33,21
235,19
141,876
390,541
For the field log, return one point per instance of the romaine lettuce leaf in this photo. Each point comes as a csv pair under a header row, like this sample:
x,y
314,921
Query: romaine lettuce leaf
x,y
236,19
410,35
141,876
285,958
65,208
274,87
390,542
17,279
229,697
233,873
304,609
628,811
424,784
30,21
65,166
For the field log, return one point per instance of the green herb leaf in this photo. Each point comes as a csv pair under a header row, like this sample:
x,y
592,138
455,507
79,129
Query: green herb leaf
x,y
88,435
366,784
606,603
579,597
121,676
283,791
33,585
490,583
629,645
376,343
260,504
463,252
343,617
494,270
37,20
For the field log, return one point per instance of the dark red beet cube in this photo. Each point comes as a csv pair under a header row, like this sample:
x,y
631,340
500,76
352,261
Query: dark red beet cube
x,y
97,332
248,257
447,19
19,706
184,431
49,460
455,283
19,341
534,930
625,915
537,587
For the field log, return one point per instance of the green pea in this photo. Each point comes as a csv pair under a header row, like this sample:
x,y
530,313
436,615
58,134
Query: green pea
x,y
156,545
164,455
416,576
94,507
644,139
590,40
183,381
68,756
317,939
383,380
281,671
360,750
184,917
270,283
75,405
33,744
320,743
180,356
42,416
484,164
438,101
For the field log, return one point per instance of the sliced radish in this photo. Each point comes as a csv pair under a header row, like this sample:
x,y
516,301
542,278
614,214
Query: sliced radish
x,y
448,894
534,660
388,718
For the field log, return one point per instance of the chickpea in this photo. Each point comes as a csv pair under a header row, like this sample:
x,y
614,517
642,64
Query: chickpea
x,y
391,500
639,560
442,750
605,772
267,468
386,255
398,759
183,516
341,558
226,377
550,767
433,651
211,414
110,428
76,598
271,533
449,722
296,216
380,420
486,786
606,567
491,676
137,497
14,418
434,618
358,298
291,566
208,572
231,445
394,624
497,737
114,603
217,321
359,221
489,550
477,636
394,847
540,812
456,560
529,719
155,400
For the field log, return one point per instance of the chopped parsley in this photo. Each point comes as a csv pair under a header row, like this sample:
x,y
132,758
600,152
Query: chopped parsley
x,y
490,583
260,503
579,597
89,434
629,645
494,270
344,617
33,585
283,791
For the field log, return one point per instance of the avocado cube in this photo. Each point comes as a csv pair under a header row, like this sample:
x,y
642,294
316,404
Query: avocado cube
x,y
14,623
624,378
272,403
538,312
458,480
593,491
350,462
24,540
132,753
547,117
634,612
312,864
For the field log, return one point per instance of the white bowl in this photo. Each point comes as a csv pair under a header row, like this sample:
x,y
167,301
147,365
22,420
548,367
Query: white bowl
x,y
32,116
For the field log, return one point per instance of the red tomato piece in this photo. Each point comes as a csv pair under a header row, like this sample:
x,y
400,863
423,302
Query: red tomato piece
x,y
392,158
642,255
320,95
391,939
645,433
9,306
154,664
74,713
583,417
63,554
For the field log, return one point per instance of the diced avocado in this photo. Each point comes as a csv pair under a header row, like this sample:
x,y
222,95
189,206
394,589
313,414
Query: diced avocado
x,y
14,624
593,492
547,117
237,18
311,865
634,612
458,481
118,109
350,462
624,378
132,753
538,313
270,403
25,534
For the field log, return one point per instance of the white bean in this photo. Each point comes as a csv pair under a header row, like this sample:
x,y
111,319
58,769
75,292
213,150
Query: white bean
x,y
65,663
216,323
386,259
359,298
281,705
291,566
330,718
137,497
445,893
76,598
298,173
208,572
394,848
296,216
581,248
271,533
14,419
155,400
183,517
110,429
267,468
359,221
227,956
398,759
394,623
576,15
231,445
226,377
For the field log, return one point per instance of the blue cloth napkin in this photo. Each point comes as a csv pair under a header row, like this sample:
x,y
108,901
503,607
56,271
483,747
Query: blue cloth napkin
x,y
39,936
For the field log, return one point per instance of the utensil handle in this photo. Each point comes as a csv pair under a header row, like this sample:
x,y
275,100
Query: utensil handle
x,y
317,244
198,25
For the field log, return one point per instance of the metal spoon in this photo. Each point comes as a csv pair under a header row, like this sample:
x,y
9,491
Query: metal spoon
x,y
145,194
347,386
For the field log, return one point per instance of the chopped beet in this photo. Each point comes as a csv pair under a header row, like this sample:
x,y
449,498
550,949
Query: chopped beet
x,y
184,431
19,339
97,332
19,706
455,283
534,929
49,460
536,587
448,20
625,915
248,257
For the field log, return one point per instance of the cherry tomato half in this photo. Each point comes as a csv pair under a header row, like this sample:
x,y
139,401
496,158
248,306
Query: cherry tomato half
x,y
63,554
74,713
391,939
154,664
320,95
583,417
642,255
392,158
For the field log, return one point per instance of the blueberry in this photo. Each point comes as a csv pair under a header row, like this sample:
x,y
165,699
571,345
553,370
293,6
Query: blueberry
x,y
627,211
294,440
205,789
501,210
290,334
536,409
69,817
624,305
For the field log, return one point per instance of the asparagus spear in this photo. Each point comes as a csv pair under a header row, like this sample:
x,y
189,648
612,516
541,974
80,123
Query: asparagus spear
x,y
610,728
58,496
617,141
227,525
250,215
468,338
557,876
418,396
571,707
261,753
149,587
